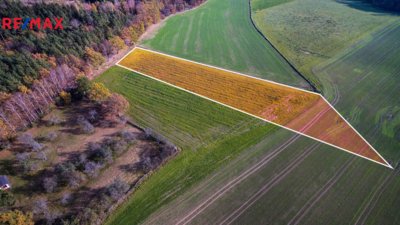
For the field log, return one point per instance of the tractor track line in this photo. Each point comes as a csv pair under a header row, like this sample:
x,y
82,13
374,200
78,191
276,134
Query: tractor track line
x,y
244,175
237,180
373,201
268,186
322,191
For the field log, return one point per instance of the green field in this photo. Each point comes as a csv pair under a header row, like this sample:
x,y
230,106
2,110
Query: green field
x,y
305,182
309,32
240,143
367,81
221,33
287,196
209,134
257,5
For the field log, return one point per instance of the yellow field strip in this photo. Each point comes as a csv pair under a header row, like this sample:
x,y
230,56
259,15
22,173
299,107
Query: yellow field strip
x,y
269,101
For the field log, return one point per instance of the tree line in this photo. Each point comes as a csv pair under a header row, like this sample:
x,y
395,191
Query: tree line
x,y
36,65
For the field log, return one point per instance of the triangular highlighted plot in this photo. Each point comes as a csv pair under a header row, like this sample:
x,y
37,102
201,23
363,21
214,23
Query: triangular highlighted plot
x,y
323,122
301,111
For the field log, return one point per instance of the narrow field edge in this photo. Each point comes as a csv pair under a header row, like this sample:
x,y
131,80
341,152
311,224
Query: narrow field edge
x,y
249,114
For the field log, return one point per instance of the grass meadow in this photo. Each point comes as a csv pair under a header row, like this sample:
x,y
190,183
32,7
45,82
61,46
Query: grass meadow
x,y
367,82
309,32
220,33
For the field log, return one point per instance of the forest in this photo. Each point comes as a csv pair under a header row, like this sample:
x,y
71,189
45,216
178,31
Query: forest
x,y
36,65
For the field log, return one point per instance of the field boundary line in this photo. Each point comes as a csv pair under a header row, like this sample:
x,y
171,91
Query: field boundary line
x,y
354,129
308,80
249,114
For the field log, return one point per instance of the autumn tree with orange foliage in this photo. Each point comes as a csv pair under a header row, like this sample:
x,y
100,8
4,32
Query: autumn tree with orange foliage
x,y
114,107
98,92
95,58
16,217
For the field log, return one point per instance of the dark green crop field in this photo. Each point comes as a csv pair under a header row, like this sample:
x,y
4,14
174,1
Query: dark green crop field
x,y
366,79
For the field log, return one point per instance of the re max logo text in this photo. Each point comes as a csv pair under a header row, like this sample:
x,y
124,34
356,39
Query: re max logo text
x,y
19,23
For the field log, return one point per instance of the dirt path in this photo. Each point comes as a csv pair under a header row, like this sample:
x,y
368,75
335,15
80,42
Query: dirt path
x,y
110,62
152,30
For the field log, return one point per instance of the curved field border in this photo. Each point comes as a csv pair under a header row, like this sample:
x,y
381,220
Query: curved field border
x,y
324,124
312,85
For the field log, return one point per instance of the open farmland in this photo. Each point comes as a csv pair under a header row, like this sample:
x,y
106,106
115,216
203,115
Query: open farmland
x,y
305,112
305,180
309,32
193,176
367,81
280,179
209,134
220,33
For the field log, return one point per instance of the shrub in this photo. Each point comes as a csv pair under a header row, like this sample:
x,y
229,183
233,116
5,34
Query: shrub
x,y
102,155
83,87
86,127
67,174
6,199
41,156
148,132
93,146
66,198
65,98
93,115
92,169
5,144
25,162
116,145
51,136
95,58
117,189
128,136
75,179
53,120
146,165
88,216
119,147
29,141
40,207
49,184
98,92
114,107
